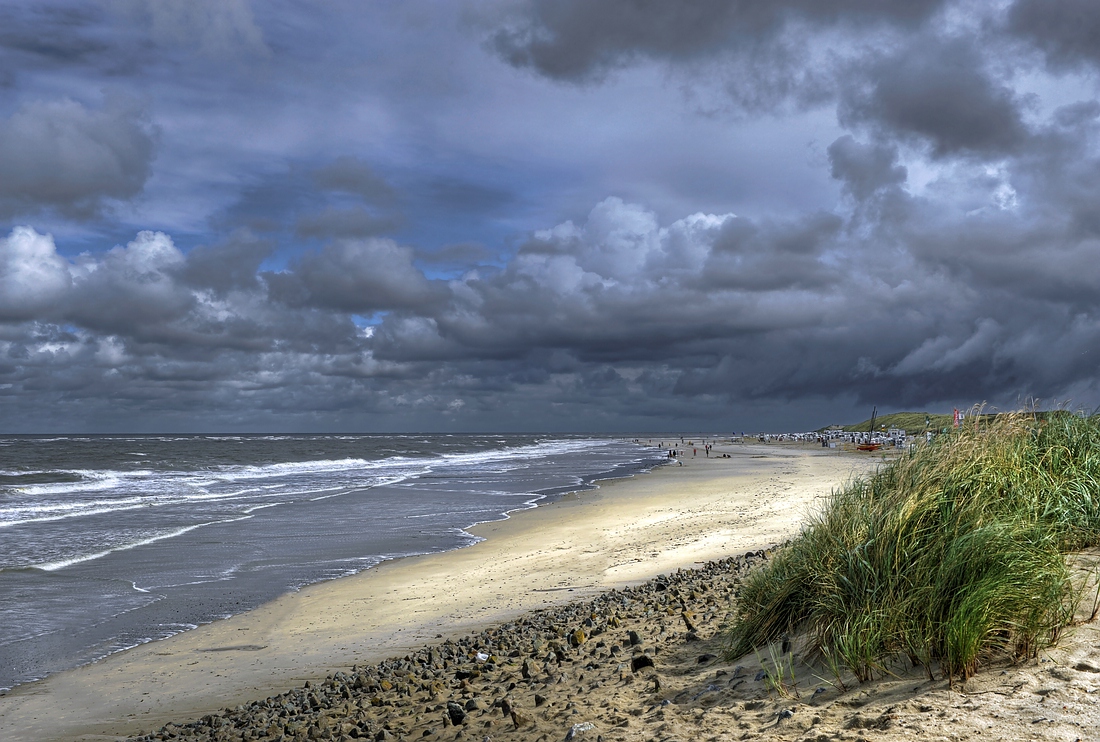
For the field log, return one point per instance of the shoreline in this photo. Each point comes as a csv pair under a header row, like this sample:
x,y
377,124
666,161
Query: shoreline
x,y
457,535
622,532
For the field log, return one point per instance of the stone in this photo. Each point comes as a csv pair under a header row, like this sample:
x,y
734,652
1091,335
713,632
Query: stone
x,y
411,697
456,713
579,730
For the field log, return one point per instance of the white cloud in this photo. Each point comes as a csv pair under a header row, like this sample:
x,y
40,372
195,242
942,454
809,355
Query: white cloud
x,y
33,277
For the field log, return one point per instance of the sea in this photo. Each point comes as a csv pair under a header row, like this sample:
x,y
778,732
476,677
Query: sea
x,y
111,541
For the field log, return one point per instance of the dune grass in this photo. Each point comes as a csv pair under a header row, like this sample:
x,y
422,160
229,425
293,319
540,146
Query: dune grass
x,y
947,556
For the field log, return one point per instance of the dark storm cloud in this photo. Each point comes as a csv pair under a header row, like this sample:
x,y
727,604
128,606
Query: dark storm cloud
x,y
447,243
352,175
940,93
577,40
232,264
376,213
462,255
141,281
44,33
64,155
1067,32
362,276
759,258
351,222
865,168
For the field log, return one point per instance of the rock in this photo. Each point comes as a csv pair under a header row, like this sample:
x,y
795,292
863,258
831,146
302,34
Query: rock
x,y
579,730
456,713
416,696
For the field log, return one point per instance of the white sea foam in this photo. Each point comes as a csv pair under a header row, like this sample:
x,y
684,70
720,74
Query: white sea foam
x,y
62,563
66,515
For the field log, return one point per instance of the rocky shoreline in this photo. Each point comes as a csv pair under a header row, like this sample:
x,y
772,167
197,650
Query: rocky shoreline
x,y
596,669
644,663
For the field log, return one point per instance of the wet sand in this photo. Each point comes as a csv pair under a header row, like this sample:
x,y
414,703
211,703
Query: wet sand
x,y
620,534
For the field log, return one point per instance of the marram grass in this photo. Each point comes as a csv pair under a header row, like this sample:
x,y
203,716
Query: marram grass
x,y
949,555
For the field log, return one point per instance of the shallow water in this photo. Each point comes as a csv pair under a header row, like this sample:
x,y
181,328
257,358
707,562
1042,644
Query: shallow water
x,y
107,542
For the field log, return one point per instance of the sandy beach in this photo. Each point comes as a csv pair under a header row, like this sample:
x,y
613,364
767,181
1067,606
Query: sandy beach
x,y
620,534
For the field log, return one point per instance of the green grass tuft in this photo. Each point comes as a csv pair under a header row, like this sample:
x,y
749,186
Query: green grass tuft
x,y
946,556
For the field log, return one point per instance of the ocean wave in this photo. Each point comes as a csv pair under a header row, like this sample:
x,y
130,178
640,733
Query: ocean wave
x,y
67,496
63,563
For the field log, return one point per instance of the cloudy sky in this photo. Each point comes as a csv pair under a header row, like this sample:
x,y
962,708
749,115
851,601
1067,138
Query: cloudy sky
x,y
525,215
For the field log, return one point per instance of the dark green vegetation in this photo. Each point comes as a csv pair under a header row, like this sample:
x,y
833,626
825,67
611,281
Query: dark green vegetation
x,y
911,422
948,556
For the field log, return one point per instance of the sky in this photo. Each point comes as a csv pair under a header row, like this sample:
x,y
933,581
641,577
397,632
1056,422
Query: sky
x,y
529,215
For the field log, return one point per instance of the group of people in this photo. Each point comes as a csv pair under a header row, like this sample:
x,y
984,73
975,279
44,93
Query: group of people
x,y
674,453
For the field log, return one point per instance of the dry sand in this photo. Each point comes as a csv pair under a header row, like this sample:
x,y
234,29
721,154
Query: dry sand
x,y
622,533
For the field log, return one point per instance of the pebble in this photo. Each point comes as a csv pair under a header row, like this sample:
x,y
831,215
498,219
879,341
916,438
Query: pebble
x,y
529,668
